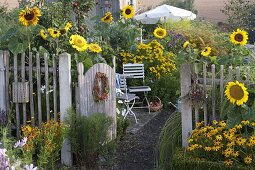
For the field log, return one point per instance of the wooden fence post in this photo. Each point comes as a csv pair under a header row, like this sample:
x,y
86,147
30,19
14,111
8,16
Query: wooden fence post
x,y
2,82
186,109
65,101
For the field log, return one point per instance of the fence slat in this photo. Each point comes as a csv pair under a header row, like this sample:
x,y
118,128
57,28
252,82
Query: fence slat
x,y
23,74
7,74
47,86
205,91
230,73
238,73
2,82
15,63
221,83
31,89
55,87
39,96
196,81
213,93
248,72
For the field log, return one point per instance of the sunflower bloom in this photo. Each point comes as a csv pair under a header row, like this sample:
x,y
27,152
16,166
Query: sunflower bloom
x,y
239,37
78,42
159,32
68,26
236,93
29,16
206,51
128,12
43,34
54,33
95,48
107,18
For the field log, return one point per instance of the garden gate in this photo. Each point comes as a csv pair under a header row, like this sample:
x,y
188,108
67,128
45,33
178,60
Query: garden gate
x,y
209,81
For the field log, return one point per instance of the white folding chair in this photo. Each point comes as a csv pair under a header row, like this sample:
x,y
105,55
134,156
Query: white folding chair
x,y
128,99
136,71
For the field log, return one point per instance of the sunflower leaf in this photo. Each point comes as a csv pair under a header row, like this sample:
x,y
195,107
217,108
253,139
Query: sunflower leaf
x,y
16,47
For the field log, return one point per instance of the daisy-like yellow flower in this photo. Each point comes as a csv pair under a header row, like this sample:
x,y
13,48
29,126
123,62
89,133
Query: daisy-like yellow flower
x,y
54,33
219,137
206,51
236,93
248,160
107,18
159,32
68,26
186,44
95,48
29,16
78,42
228,162
245,122
128,12
239,37
43,34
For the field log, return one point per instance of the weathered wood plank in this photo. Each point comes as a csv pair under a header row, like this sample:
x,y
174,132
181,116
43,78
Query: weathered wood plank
x,y
230,73
47,86
186,109
205,91
221,83
31,91
238,73
196,106
15,63
39,96
50,69
2,82
23,74
7,75
55,99
213,93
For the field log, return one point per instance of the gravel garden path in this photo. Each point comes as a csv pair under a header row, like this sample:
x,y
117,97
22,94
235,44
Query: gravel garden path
x,y
137,150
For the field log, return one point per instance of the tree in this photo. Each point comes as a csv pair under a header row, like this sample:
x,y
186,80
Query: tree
x,y
184,4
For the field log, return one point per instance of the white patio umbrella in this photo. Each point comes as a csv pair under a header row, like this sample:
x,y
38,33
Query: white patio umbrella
x,y
164,12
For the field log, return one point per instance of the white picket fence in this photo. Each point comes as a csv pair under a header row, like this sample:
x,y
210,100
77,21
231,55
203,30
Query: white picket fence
x,y
209,78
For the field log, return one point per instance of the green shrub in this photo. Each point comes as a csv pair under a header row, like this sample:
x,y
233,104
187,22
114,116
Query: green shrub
x,y
169,140
122,125
88,137
182,161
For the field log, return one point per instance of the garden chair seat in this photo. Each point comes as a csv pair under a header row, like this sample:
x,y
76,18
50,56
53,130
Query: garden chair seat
x,y
134,89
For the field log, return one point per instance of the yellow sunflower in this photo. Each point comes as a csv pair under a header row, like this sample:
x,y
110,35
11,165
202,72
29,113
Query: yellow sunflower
x,y
78,42
54,33
159,32
43,34
107,18
185,45
29,16
68,26
128,12
206,51
95,48
239,37
236,93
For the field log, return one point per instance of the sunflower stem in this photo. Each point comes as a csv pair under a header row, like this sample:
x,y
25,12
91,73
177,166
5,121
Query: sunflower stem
x,y
28,38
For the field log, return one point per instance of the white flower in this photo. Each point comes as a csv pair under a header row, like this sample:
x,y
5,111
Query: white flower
x,y
17,144
23,142
2,152
30,167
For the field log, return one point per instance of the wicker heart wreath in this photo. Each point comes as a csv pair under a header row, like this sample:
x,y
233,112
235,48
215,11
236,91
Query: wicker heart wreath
x,y
100,87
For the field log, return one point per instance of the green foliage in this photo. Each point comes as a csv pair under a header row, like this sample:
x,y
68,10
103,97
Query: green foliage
x,y
170,139
183,161
122,125
88,137
185,4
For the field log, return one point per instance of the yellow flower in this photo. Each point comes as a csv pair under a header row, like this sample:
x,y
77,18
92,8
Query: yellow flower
x,y
78,42
54,33
68,26
240,141
248,160
253,123
43,34
239,126
107,18
29,16
95,48
235,154
206,51
185,45
128,12
237,93
222,123
207,148
230,144
159,32
219,137
239,37
228,162
245,122
215,122
252,140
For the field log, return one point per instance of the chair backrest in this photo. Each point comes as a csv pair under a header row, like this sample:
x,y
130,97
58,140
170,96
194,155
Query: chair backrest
x,y
121,82
134,70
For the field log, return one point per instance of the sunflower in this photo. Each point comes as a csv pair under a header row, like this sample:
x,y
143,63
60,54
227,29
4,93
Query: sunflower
x,y
107,18
206,51
128,12
95,48
78,42
43,34
185,45
237,93
159,32
68,26
29,16
239,37
54,33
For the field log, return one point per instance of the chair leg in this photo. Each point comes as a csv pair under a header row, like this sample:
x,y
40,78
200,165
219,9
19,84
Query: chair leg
x,y
129,110
148,104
